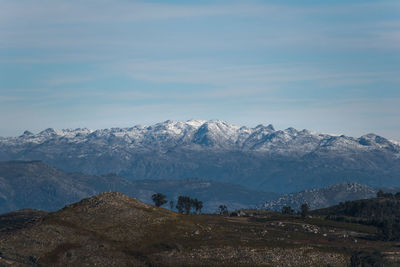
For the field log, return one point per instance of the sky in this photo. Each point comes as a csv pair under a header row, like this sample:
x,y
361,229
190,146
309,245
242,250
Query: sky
x,y
327,66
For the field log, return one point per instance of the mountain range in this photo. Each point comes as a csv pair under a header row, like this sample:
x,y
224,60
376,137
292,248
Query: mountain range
x,y
261,158
36,185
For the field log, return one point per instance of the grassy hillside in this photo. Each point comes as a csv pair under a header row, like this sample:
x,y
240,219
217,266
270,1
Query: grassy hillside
x,y
112,229
382,212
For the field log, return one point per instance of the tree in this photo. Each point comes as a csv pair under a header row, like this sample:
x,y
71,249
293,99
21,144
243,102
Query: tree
x,y
197,205
382,194
187,205
366,258
304,210
200,206
387,230
180,205
223,210
171,204
287,210
184,204
159,199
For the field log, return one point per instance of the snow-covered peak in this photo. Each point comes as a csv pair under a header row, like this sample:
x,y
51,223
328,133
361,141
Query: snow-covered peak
x,y
268,128
291,131
195,134
195,123
48,132
27,133
216,133
395,142
373,139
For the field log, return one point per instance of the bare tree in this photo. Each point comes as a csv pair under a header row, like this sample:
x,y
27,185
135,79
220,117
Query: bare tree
x,y
223,209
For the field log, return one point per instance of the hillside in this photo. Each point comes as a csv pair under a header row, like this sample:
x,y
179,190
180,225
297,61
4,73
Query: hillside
x,y
36,185
382,212
261,158
324,197
374,209
112,229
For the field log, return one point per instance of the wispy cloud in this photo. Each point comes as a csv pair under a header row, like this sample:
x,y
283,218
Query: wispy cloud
x,y
127,11
100,24
266,76
68,80
104,11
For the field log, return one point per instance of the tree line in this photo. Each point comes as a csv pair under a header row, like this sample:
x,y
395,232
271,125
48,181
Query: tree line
x,y
382,212
184,204
304,210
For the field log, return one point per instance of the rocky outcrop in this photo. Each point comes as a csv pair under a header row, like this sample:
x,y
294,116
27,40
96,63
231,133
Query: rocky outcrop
x,y
322,198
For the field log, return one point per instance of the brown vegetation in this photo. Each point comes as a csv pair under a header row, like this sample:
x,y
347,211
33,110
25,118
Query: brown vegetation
x,y
112,229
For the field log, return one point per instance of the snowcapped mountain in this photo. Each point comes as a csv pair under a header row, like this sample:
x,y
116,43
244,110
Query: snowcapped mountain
x,y
214,134
259,157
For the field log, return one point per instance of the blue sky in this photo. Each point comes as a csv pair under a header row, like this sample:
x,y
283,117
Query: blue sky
x,y
328,66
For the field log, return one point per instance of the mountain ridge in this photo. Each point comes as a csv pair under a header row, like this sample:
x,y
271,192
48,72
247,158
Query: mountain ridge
x,y
259,158
36,185
241,137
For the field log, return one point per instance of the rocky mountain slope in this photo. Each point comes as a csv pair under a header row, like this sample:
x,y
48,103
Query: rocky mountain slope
x,y
322,198
261,157
36,185
112,229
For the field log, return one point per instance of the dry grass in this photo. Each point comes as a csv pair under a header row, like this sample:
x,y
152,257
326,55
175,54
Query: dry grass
x,y
115,230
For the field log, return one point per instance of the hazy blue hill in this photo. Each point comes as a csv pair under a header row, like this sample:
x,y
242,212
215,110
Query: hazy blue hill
x,y
36,185
211,193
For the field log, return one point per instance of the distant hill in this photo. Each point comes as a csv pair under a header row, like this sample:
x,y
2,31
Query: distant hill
x,y
321,198
34,184
261,158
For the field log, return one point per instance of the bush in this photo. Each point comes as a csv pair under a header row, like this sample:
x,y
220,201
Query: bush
x,y
366,259
304,210
159,199
287,210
